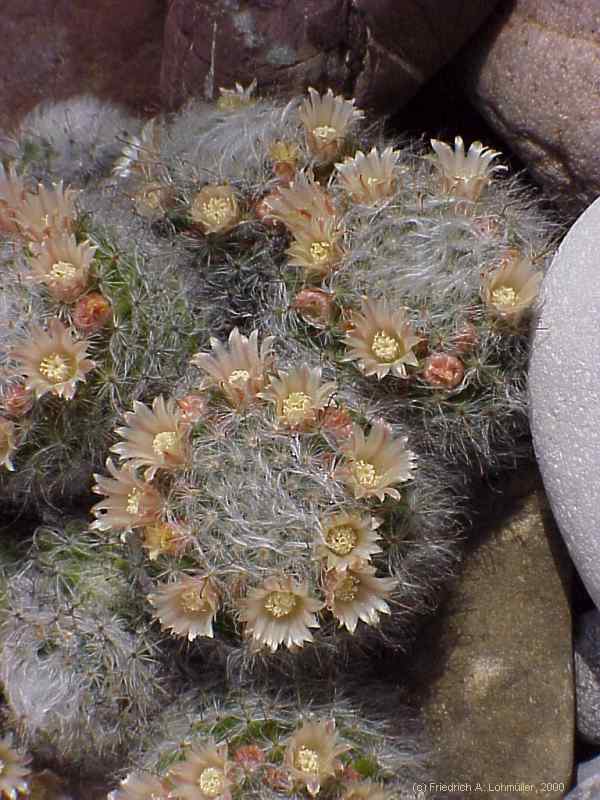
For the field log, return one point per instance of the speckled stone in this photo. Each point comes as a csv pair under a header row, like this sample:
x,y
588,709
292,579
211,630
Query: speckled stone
x,y
587,677
588,781
564,391
497,662
532,71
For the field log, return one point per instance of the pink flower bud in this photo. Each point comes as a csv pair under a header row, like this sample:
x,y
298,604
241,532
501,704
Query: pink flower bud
x,y
192,407
443,371
315,306
17,400
91,313
466,338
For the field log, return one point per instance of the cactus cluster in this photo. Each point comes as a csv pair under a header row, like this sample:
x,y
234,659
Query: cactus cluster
x,y
295,344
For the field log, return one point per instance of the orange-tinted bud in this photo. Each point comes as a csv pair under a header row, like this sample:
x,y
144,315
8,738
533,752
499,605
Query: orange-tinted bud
x,y
249,757
443,371
336,421
315,306
192,407
91,313
466,338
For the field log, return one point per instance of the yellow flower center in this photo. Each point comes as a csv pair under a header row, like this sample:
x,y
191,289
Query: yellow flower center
x,y
295,406
134,498
342,539
283,151
320,251
63,271
192,602
211,782
347,590
504,296
217,210
280,604
158,538
385,347
238,376
365,473
56,368
307,760
325,133
163,442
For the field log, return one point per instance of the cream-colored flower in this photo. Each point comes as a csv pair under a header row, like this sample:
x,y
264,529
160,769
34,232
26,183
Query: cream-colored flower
x,y
302,202
298,396
238,369
141,786
280,612
64,266
12,194
233,99
373,465
8,443
129,501
311,754
510,291
316,247
215,209
463,175
284,157
327,121
49,212
14,772
204,775
345,537
141,154
154,438
381,340
187,607
154,198
369,178
53,361
366,790
164,538
355,593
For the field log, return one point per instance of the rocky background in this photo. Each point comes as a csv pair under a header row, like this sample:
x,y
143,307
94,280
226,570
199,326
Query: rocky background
x,y
521,74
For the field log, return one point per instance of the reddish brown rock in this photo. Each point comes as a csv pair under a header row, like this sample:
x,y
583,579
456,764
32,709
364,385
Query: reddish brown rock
x,y
533,73
52,49
380,51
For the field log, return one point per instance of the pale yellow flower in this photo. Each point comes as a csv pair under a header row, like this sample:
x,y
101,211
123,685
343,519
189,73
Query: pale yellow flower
x,y
327,121
14,772
238,369
316,247
204,775
356,594
311,754
50,212
345,537
368,179
215,209
373,465
233,99
12,194
302,202
381,340
141,786
155,438
298,396
53,361
366,790
63,266
284,157
280,612
140,154
510,291
8,443
187,606
463,175
129,501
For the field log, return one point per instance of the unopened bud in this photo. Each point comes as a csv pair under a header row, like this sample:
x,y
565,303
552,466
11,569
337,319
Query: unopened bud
x,y
17,400
91,313
443,371
315,306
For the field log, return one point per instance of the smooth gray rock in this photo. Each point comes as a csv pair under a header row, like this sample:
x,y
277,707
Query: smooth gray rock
x,y
588,781
587,678
564,391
